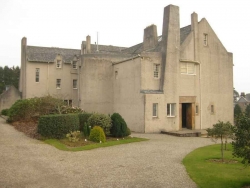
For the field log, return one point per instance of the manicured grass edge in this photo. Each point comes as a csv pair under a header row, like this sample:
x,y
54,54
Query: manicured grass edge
x,y
56,143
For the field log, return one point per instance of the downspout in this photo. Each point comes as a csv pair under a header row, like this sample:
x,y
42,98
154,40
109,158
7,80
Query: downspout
x,y
48,79
79,84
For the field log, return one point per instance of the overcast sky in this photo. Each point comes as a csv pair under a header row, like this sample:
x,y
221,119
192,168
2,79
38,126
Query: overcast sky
x,y
65,23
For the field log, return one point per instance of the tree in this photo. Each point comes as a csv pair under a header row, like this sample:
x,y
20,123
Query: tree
x,y
241,139
247,111
237,110
221,131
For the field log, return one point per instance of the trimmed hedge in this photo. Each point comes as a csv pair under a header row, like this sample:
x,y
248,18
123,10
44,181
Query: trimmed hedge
x,y
102,120
97,134
119,127
83,118
57,126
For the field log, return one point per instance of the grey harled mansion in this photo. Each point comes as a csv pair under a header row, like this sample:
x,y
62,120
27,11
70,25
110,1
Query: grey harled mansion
x,y
180,79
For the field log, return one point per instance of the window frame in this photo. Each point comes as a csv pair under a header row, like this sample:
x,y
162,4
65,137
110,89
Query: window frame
x,y
58,63
58,83
37,75
155,110
74,83
187,72
74,64
171,109
212,109
196,109
205,40
156,68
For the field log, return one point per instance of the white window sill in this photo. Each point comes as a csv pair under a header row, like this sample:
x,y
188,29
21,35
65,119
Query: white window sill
x,y
74,88
171,116
188,74
58,88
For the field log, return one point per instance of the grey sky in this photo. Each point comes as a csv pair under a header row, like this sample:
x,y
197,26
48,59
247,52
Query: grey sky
x,y
65,23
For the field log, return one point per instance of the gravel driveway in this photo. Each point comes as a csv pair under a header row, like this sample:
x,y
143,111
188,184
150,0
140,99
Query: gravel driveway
x,y
25,162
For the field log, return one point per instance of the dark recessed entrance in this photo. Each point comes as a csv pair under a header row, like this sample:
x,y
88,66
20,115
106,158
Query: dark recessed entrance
x,y
187,115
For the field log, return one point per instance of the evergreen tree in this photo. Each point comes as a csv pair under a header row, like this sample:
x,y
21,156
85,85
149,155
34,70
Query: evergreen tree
x,y
237,110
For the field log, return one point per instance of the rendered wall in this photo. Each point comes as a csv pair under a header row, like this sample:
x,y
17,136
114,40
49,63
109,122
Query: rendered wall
x,y
128,101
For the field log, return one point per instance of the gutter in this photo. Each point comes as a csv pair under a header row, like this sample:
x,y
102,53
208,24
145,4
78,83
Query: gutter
x,y
131,58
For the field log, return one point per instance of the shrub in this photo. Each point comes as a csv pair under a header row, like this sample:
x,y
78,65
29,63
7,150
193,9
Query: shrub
x,y
73,136
71,110
119,126
97,134
57,126
128,132
86,130
83,118
5,112
101,120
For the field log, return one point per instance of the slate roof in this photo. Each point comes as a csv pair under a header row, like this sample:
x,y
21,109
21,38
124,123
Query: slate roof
x,y
45,54
184,32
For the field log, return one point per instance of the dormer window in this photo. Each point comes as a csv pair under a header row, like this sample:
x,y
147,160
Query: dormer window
x,y
74,65
59,64
156,70
205,39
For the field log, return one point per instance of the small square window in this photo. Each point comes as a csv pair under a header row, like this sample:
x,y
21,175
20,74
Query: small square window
x,y
37,74
155,109
58,83
74,84
156,70
74,65
59,64
171,110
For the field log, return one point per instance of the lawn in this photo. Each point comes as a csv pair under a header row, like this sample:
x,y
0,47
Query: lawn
x,y
65,146
209,174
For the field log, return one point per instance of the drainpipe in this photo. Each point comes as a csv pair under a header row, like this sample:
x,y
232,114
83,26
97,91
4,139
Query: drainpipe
x,y
48,80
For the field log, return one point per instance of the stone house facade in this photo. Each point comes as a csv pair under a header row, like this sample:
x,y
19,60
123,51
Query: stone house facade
x,y
243,101
180,79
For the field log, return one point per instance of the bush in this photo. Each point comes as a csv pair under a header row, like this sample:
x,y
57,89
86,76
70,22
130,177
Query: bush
x,y
101,120
83,118
97,134
119,126
57,126
86,130
33,108
128,132
73,136
5,112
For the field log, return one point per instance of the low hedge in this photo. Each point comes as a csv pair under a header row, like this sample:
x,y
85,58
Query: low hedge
x,y
57,126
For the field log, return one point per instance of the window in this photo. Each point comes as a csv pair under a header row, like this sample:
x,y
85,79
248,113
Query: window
x,y
196,109
74,65
205,39
58,83
187,68
74,84
37,74
59,64
156,70
116,75
68,102
171,110
212,109
155,109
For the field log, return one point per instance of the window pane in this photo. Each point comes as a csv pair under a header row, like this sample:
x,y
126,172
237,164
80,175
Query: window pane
x,y
156,70
183,67
155,109
37,74
172,109
168,109
190,68
74,84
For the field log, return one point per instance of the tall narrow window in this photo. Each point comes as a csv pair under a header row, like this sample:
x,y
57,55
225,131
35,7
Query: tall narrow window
x,y
37,74
74,65
196,109
212,109
116,75
59,64
155,109
205,39
74,84
156,70
171,110
58,83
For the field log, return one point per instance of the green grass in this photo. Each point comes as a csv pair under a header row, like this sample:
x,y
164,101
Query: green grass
x,y
207,174
59,145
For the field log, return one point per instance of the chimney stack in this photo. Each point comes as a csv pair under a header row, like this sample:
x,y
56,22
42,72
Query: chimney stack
x,y
150,38
242,94
88,44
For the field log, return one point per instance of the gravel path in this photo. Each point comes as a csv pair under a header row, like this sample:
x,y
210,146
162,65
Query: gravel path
x,y
25,162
